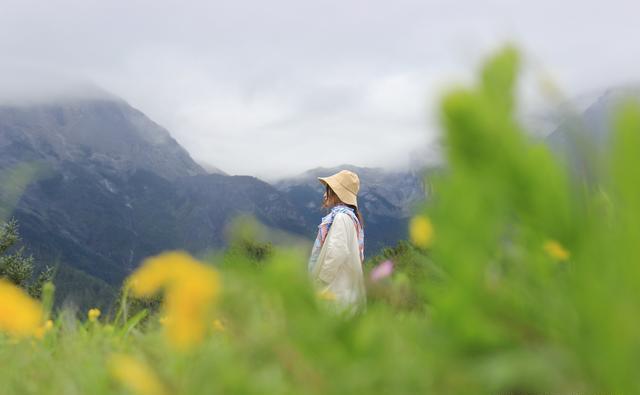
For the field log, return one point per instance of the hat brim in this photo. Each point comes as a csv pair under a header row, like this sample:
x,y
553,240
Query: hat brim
x,y
345,195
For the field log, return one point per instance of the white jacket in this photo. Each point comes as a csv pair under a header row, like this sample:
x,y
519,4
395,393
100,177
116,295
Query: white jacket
x,y
338,270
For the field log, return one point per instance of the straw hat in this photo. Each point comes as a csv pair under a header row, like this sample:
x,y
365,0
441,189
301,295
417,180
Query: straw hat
x,y
345,184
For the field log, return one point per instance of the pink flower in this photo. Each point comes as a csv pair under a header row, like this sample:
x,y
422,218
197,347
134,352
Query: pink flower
x,y
381,271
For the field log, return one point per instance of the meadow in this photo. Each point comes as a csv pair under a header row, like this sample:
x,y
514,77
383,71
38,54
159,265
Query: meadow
x,y
519,278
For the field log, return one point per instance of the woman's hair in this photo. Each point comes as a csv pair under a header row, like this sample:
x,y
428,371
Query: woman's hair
x,y
331,199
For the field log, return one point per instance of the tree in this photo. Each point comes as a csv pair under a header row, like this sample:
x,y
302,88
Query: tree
x,y
17,267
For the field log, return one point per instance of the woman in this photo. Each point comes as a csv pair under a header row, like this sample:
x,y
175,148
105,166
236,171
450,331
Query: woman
x,y
336,260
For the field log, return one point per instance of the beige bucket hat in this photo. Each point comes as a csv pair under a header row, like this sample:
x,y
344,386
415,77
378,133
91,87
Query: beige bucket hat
x,y
345,184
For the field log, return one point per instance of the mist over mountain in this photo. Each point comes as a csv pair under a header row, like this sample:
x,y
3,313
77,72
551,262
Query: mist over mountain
x,y
28,85
99,133
582,140
211,169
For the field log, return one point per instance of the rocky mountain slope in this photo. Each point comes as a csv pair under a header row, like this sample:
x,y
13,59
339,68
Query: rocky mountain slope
x,y
113,187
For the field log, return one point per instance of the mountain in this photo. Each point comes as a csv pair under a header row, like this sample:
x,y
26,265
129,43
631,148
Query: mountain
x,y
112,188
99,133
105,224
583,139
386,199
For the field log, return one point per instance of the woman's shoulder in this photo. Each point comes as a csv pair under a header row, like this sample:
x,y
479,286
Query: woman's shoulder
x,y
343,219
342,216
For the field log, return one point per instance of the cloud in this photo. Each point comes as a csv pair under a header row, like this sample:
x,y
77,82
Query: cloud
x,y
26,86
273,88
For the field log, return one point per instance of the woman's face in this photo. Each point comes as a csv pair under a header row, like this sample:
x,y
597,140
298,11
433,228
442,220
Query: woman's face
x,y
325,199
329,200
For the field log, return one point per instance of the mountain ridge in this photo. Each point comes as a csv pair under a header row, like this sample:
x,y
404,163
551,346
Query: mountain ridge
x,y
118,188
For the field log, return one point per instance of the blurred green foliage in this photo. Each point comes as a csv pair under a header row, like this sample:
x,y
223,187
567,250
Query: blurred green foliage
x,y
530,286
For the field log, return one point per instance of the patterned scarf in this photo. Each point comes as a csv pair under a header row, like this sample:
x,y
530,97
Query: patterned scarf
x,y
323,231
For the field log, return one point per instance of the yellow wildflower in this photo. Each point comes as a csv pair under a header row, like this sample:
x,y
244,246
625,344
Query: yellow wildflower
x,y
42,330
556,251
218,326
191,288
20,316
163,320
421,231
93,314
135,375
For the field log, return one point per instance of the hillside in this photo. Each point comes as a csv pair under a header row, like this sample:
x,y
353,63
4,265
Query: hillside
x,y
112,187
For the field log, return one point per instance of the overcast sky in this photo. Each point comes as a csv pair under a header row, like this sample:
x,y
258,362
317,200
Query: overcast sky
x,y
273,88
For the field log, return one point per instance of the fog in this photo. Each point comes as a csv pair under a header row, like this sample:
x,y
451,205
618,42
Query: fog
x,y
275,88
